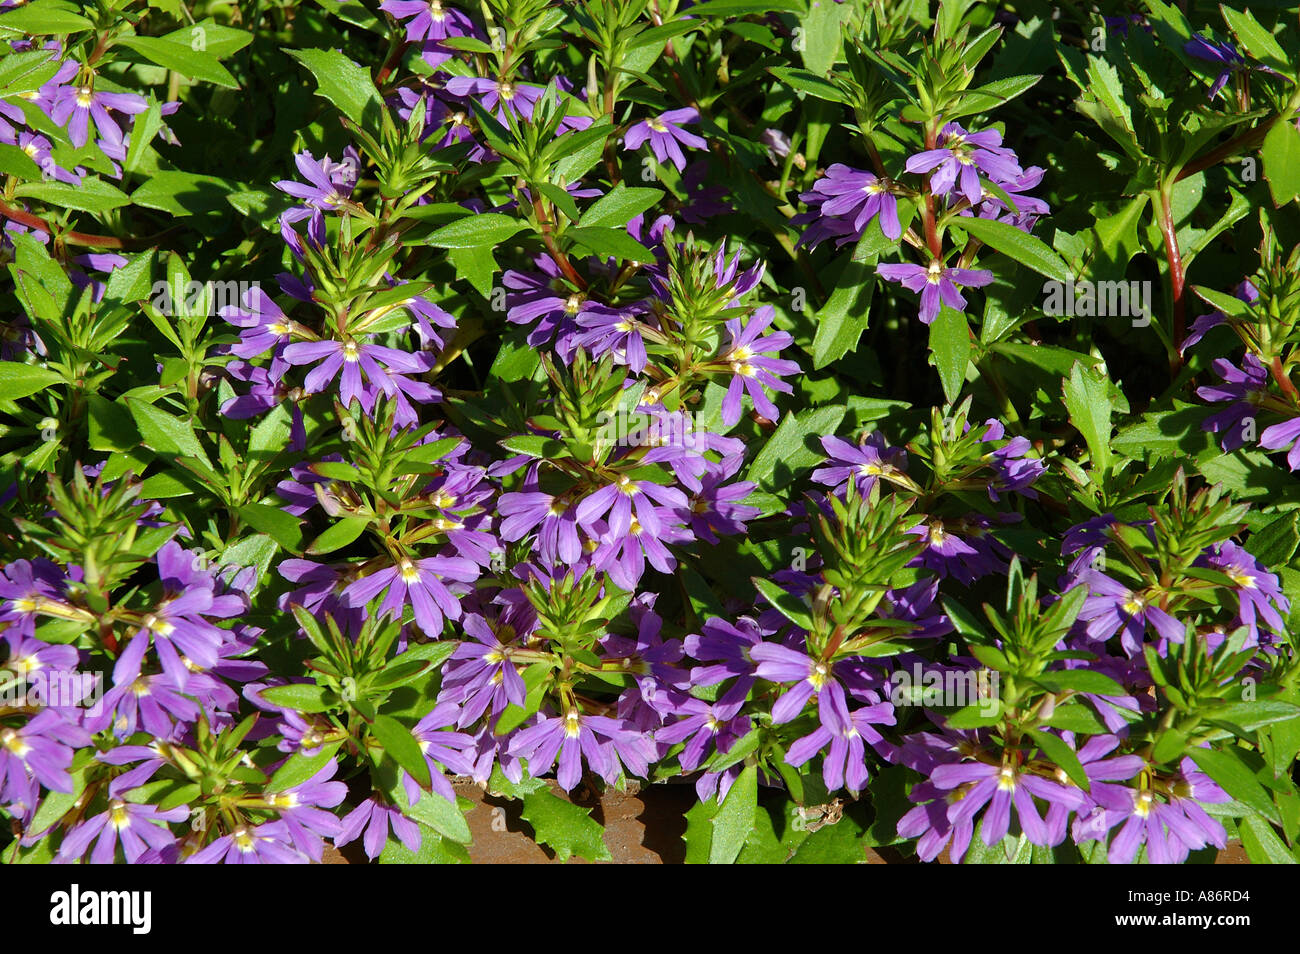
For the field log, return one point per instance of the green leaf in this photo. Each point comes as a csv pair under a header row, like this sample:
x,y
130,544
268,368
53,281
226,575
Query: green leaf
x,y
950,344
1258,42
788,451
26,72
567,828
93,195
804,81
402,748
164,433
619,206
282,527
791,607
15,162
442,816
1087,398
299,767
735,818
476,231
181,58
1065,757
1263,846
19,380
186,193
841,321
1235,778
301,697
1017,245
1281,155
605,242
43,18
343,83
1080,680
339,535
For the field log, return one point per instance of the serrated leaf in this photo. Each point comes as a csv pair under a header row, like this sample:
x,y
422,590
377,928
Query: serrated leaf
x,y
567,828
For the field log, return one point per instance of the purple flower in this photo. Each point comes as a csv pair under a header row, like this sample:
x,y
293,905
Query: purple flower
x,y
1283,435
855,197
751,369
429,19
936,283
1170,829
375,819
137,827
601,741
666,135
517,98
267,844
1111,607
367,370
845,764
999,787
955,166
1259,595
419,583
303,807
1244,389
701,723
863,463
1221,54
75,106
39,751
480,675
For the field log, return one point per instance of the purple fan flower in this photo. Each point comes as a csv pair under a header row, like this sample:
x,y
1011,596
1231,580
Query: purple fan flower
x,y
75,106
375,819
367,370
267,844
955,166
602,742
1222,54
480,675
1111,607
845,764
1244,389
500,94
138,827
303,807
1000,787
1169,829
429,19
936,283
751,369
1259,595
419,583
856,197
1284,435
864,463
666,135
701,723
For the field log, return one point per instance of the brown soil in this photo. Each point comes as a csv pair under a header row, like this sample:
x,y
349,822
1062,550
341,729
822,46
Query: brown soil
x,y
641,829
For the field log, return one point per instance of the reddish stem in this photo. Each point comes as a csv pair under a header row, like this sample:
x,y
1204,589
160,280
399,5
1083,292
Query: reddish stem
x,y
1177,278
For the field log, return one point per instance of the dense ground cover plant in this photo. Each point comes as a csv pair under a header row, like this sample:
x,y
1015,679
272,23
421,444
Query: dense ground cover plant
x,y
879,415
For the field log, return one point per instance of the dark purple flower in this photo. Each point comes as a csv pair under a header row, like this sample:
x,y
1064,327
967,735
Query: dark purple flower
x,y
666,135
936,284
955,165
